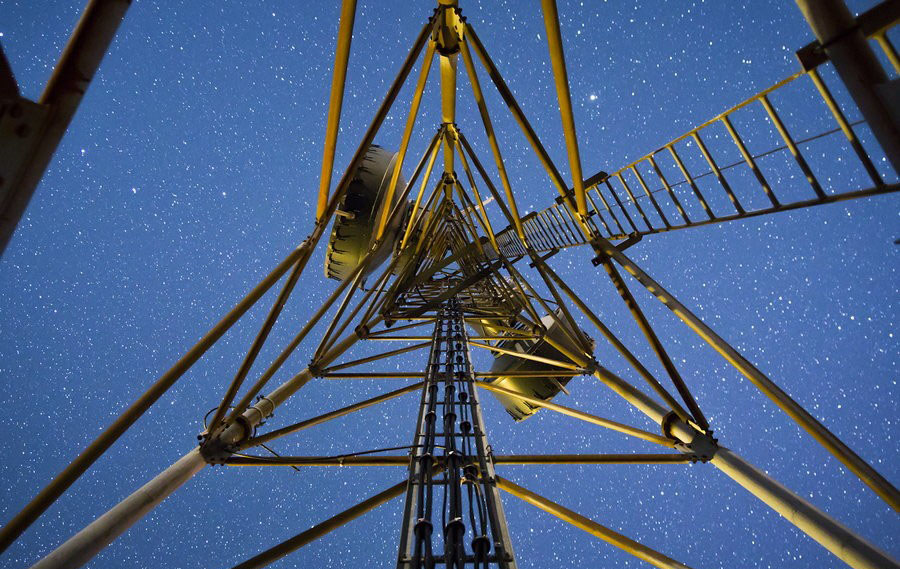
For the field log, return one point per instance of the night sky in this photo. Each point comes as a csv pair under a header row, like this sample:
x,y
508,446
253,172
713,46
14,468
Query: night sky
x,y
191,169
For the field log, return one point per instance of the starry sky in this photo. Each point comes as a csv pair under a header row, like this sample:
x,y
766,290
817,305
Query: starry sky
x,y
192,168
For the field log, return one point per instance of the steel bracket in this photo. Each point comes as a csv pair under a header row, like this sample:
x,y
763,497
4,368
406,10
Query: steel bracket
x,y
21,123
214,451
631,240
552,252
702,448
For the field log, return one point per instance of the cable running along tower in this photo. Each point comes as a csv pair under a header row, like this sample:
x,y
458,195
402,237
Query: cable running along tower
x,y
420,262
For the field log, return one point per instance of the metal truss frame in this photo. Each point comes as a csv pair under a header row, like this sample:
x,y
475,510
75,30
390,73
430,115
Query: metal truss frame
x,y
456,270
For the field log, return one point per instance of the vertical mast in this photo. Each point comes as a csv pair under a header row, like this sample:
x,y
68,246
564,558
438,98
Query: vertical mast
x,y
453,515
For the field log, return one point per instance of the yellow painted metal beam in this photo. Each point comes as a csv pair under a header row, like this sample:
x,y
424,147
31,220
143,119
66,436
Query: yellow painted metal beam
x,y
801,416
492,137
425,178
614,538
264,438
560,74
606,423
335,102
524,356
404,143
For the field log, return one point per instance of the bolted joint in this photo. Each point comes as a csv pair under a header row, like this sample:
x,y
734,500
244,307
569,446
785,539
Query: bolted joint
x,y
593,367
362,331
703,446
314,369
702,449
215,451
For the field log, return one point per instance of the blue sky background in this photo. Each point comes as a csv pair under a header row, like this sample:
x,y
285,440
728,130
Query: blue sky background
x,y
191,169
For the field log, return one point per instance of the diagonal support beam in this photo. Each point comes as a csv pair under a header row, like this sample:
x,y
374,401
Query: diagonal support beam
x,y
404,142
304,538
261,439
639,550
379,356
613,425
654,341
801,416
14,528
62,96
525,356
561,75
335,102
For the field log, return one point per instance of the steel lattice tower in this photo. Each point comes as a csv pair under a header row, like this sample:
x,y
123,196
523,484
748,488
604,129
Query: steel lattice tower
x,y
419,258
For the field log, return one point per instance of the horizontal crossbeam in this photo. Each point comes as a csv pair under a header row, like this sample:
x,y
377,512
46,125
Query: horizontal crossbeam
x,y
501,459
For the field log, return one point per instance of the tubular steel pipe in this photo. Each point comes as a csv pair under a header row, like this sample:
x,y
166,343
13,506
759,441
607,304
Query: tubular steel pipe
x,y
318,460
831,534
448,105
655,343
614,538
77,467
415,207
492,138
504,459
327,339
859,69
801,416
404,141
70,80
536,374
257,345
375,375
521,119
87,543
558,60
361,361
264,438
531,459
379,117
526,356
335,102
613,425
